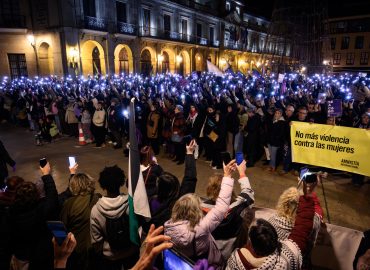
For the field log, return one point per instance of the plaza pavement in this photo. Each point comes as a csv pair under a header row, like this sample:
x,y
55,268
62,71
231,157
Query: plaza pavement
x,y
348,206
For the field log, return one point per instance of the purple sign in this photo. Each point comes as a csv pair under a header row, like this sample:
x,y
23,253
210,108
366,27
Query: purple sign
x,y
334,108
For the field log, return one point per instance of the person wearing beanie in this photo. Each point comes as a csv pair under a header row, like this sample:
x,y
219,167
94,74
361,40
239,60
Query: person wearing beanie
x,y
178,130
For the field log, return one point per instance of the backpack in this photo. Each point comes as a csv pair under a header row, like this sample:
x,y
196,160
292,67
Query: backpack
x,y
118,231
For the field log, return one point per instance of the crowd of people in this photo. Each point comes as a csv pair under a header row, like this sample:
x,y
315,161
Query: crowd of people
x,y
234,113
188,117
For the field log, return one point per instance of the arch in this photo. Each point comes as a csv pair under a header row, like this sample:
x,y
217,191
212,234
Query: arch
x,y
92,58
45,58
183,66
165,62
123,59
211,57
199,62
148,61
171,60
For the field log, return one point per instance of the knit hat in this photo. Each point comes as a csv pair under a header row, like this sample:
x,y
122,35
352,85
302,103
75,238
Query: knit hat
x,y
180,108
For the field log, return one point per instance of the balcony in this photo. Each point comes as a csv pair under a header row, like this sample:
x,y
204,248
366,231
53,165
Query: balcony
x,y
197,6
126,28
175,36
12,21
94,23
234,45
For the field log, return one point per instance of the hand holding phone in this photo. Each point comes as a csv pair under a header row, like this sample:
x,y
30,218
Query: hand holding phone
x,y
59,231
72,162
43,162
239,157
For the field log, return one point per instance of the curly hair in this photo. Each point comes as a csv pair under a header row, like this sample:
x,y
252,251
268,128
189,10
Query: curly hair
x,y
26,196
112,178
214,187
188,208
81,184
288,203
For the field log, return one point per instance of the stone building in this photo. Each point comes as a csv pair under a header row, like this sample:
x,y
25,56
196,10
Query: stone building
x,y
43,37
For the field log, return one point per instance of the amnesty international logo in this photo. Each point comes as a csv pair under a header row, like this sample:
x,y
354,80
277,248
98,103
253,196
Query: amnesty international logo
x,y
350,163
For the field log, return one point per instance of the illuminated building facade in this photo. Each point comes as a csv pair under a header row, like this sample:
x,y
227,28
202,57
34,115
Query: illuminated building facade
x,y
348,47
43,37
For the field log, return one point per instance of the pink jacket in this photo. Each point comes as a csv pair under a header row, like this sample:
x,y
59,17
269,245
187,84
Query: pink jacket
x,y
183,237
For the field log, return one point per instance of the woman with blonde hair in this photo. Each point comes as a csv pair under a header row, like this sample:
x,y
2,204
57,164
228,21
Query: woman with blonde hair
x,y
75,215
286,210
191,231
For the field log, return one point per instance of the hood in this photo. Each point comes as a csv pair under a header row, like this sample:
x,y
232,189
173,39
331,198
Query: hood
x,y
179,232
112,207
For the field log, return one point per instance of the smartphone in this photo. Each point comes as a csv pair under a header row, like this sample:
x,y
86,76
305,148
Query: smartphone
x,y
307,176
226,158
43,162
72,161
173,260
303,173
187,139
239,157
58,230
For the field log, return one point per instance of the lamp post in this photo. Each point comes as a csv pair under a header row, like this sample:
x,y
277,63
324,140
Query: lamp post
x,y
31,40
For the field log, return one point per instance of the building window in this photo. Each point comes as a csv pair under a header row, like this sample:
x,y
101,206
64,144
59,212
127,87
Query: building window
x,y
184,29
237,10
146,21
333,40
17,65
345,43
350,58
121,11
89,8
228,6
167,23
336,59
359,44
199,30
364,59
211,34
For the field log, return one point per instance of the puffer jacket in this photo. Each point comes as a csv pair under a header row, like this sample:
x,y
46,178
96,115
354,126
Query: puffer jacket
x,y
199,241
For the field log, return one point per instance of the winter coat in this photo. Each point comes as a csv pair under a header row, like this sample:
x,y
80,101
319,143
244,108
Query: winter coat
x,y
108,208
152,125
70,116
194,125
75,215
31,239
178,125
230,229
277,132
99,118
4,160
199,240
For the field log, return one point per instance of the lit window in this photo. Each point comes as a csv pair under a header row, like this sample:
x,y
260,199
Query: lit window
x,y
228,6
238,10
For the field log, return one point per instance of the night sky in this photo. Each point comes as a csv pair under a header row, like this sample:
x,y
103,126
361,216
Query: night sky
x,y
336,8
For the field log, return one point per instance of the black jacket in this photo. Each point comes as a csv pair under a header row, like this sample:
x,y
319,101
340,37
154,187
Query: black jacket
x,y
4,160
277,133
31,239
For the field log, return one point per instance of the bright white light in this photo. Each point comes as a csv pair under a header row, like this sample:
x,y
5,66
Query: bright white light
x,y
179,59
31,39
